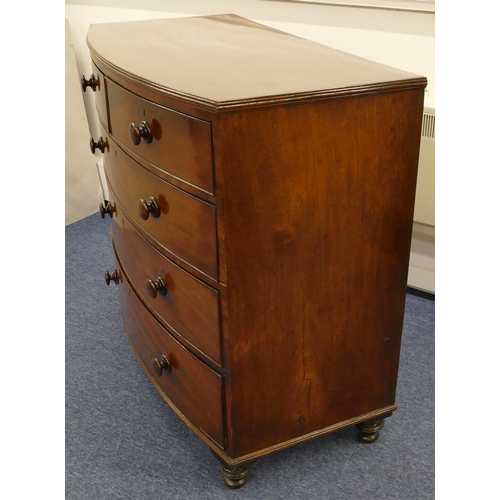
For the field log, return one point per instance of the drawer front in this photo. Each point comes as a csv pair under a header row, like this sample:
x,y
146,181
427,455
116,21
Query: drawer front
x,y
100,96
183,226
181,145
193,388
184,303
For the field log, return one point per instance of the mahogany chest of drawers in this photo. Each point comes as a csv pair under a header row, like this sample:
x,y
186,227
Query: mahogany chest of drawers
x,y
261,194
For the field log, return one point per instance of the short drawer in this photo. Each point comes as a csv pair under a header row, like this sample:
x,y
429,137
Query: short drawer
x,y
189,385
184,303
183,225
178,144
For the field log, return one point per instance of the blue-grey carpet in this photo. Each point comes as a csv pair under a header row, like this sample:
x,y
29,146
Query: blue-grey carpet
x,y
124,442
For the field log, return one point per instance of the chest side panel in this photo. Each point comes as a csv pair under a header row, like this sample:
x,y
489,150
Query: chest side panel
x,y
318,206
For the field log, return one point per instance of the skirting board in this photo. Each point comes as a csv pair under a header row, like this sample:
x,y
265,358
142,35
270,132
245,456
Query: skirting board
x,y
102,178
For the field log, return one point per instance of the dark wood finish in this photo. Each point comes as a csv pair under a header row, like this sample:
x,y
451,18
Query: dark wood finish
x,y
194,389
223,62
106,208
161,248
178,143
159,365
292,247
156,286
145,208
186,225
174,181
235,476
242,459
91,82
369,431
108,278
187,305
317,265
100,145
138,132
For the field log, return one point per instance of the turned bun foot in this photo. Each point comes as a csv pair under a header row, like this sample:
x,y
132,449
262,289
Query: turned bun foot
x,y
234,477
369,431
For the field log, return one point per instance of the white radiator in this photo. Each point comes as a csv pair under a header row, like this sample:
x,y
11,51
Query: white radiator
x,y
424,202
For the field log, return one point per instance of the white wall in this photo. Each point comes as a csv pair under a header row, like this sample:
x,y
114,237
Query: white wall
x,y
82,186
398,38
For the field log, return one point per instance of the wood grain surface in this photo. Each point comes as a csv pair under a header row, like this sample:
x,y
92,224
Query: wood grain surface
x,y
288,257
181,144
186,226
228,61
318,218
194,389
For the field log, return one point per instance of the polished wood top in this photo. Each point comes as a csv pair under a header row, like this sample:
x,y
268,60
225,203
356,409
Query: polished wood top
x,y
226,61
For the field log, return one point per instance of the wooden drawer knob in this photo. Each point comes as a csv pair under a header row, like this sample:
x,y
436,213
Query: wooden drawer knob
x,y
111,277
137,133
97,145
156,286
106,209
145,208
92,82
161,364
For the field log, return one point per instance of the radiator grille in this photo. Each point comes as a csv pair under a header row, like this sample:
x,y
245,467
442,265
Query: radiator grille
x,y
428,126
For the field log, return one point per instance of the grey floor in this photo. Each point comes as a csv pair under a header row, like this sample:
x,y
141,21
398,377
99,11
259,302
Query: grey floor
x,y
124,442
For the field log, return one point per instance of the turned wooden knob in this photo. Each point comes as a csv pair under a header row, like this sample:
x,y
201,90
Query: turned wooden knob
x,y
106,209
156,286
91,82
161,364
145,208
137,133
97,145
111,277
